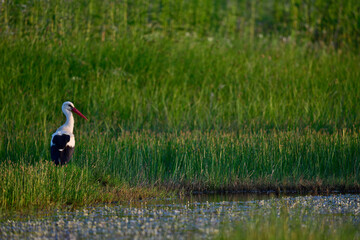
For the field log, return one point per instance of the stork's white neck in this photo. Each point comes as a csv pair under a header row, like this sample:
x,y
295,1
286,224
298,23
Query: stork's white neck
x,y
69,124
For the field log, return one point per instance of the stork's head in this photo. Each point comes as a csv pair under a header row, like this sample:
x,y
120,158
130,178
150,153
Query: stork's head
x,y
69,107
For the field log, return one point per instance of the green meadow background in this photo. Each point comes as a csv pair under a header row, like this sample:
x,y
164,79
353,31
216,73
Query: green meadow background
x,y
186,95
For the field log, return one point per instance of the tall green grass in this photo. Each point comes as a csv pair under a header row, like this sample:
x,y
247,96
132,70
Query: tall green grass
x,y
171,65
186,83
185,161
195,95
42,186
326,22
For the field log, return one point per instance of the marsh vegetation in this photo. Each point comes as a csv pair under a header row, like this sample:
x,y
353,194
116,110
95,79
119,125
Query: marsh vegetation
x,y
181,95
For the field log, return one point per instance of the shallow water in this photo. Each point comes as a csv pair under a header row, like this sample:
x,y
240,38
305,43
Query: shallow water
x,y
193,217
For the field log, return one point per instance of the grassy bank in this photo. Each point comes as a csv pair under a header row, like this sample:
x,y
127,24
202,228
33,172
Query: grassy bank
x,y
178,99
44,186
107,168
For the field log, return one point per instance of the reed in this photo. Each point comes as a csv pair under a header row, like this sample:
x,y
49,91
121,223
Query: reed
x,y
182,84
325,22
107,167
189,95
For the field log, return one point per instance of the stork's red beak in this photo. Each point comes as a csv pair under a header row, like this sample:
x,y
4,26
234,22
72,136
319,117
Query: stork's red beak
x,y
78,113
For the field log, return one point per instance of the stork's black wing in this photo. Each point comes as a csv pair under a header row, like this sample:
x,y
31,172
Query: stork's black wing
x,y
61,140
66,155
60,153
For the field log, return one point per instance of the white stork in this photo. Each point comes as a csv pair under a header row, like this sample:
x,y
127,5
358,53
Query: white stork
x,y
63,140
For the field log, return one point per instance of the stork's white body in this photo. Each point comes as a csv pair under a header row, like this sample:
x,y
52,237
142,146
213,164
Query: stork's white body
x,y
67,129
71,143
63,140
